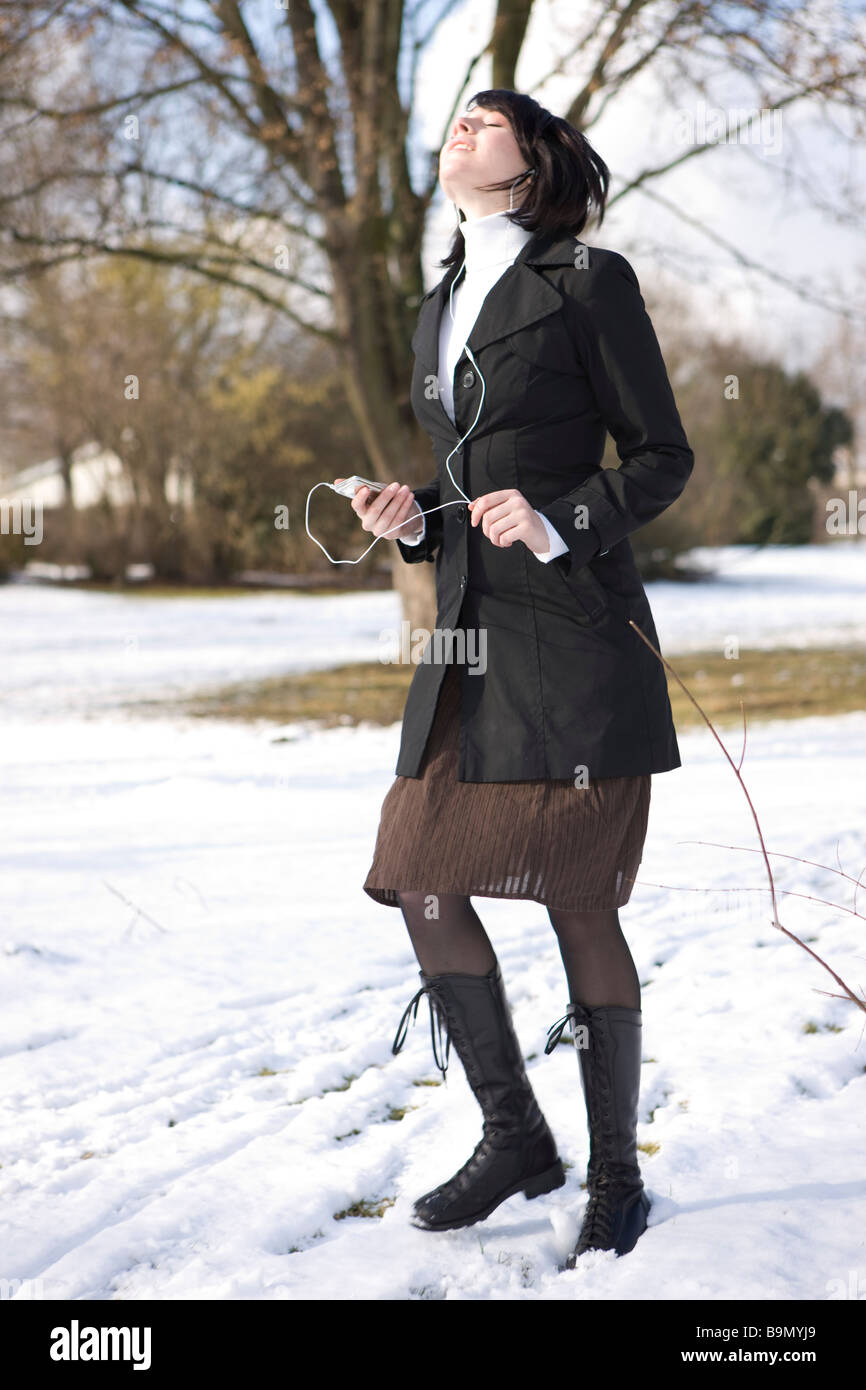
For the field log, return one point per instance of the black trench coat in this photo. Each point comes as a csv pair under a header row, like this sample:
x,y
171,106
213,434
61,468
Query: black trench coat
x,y
567,352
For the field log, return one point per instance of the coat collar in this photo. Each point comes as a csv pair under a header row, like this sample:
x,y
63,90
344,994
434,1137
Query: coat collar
x,y
519,297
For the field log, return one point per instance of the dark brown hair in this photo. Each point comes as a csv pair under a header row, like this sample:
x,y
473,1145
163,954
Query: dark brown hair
x,y
570,181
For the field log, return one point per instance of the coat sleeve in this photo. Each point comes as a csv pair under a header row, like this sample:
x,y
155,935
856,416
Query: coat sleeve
x,y
618,348
426,497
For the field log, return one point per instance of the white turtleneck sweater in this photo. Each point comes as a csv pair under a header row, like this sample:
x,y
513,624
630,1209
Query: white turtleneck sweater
x,y
492,242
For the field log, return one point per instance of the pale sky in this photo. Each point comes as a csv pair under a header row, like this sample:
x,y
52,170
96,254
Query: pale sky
x,y
738,189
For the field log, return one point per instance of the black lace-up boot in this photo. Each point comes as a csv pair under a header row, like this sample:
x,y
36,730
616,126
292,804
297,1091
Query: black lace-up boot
x,y
607,1040
517,1151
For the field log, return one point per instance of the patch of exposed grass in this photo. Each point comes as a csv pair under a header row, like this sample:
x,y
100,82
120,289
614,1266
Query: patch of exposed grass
x,y
782,683
299,1249
328,1090
358,691
399,1113
347,1081
662,1103
366,1207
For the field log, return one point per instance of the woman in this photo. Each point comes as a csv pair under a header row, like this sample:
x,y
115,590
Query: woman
x,y
526,773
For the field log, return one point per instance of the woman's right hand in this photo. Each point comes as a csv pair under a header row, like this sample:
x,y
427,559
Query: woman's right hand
x,y
379,511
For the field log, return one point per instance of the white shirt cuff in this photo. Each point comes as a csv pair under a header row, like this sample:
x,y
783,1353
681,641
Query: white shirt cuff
x,y
557,544
418,539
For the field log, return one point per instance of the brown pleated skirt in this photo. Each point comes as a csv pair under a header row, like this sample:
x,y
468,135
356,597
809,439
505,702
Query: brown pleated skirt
x,y
565,846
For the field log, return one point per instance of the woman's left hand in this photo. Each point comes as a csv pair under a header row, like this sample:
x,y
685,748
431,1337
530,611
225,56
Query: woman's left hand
x,y
506,517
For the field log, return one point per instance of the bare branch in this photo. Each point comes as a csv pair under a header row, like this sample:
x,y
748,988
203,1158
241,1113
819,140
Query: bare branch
x,y
317,126
611,46
98,108
206,192
777,854
849,993
217,80
79,247
795,287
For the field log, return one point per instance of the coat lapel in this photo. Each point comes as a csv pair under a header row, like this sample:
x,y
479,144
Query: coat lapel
x,y
518,298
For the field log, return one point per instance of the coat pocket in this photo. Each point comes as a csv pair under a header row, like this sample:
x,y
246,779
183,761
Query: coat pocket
x,y
592,601
593,597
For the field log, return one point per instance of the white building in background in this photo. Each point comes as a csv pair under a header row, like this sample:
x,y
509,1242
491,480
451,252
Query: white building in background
x,y
94,473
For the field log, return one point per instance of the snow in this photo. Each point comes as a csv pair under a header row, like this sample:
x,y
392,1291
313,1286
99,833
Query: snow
x,y
97,655
182,908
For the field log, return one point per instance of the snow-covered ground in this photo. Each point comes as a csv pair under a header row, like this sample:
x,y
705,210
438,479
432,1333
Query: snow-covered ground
x,y
181,911
60,652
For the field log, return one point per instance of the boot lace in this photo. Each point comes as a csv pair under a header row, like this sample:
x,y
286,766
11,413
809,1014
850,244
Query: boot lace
x,y
459,1182
596,1233
440,1022
556,1030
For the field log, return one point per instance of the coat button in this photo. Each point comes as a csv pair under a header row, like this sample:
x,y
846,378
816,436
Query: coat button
x,y
461,513
468,379
463,581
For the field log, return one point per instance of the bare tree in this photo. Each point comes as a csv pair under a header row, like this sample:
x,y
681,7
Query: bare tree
x,y
268,147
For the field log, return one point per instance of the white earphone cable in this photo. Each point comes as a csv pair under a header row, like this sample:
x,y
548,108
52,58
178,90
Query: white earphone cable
x,y
467,349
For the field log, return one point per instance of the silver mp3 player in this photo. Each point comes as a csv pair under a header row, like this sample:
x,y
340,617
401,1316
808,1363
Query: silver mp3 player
x,y
349,486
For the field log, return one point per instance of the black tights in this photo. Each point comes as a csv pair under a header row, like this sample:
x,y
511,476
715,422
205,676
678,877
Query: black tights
x,y
448,938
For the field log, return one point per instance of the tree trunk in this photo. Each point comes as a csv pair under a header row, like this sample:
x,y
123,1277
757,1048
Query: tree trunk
x,y
375,377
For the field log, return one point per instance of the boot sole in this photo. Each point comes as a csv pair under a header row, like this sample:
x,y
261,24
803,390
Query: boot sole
x,y
547,1181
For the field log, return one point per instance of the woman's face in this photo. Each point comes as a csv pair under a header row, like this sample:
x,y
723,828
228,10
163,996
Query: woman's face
x,y
480,149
